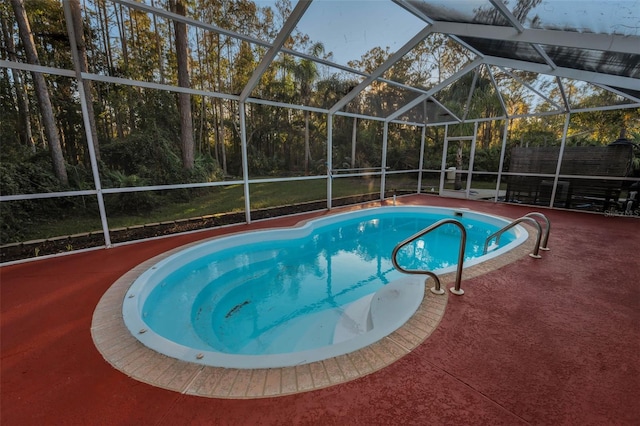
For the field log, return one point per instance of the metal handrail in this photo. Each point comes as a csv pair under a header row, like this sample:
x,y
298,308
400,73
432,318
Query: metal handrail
x,y
499,232
463,240
545,237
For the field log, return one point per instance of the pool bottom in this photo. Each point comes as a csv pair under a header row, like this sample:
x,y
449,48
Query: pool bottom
x,y
125,353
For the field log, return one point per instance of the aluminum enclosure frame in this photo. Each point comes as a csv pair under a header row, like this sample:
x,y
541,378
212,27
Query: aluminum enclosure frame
x,y
455,30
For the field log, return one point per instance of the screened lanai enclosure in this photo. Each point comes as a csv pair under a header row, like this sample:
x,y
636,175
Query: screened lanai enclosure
x,y
123,120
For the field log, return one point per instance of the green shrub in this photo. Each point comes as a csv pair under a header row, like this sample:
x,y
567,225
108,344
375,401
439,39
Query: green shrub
x,y
128,202
153,159
27,176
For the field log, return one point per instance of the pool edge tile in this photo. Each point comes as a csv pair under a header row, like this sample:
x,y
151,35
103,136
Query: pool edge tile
x,y
125,353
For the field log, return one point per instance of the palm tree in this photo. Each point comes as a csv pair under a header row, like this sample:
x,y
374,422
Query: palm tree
x,y
305,73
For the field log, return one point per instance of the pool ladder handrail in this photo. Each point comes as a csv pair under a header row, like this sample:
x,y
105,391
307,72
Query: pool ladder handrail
x,y
528,218
545,238
463,240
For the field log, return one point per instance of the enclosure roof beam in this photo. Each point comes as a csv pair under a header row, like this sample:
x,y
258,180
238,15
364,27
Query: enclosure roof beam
x,y
417,12
605,42
495,86
504,11
464,70
210,27
588,76
180,18
381,69
282,37
530,87
563,93
467,105
618,92
444,107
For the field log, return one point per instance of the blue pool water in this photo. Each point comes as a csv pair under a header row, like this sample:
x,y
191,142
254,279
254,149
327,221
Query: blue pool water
x,y
286,291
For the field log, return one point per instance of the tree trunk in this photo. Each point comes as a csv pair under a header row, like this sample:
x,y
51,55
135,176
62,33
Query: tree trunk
x,y
78,27
354,133
457,185
216,128
123,38
200,136
110,120
223,150
307,149
184,99
486,134
158,45
103,19
42,93
24,113
121,107
220,120
623,131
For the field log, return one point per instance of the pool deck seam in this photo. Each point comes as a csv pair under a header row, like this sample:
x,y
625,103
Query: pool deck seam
x,y
109,333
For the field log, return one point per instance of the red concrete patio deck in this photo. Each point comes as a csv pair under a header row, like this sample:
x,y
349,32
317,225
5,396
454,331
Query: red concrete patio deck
x,y
549,341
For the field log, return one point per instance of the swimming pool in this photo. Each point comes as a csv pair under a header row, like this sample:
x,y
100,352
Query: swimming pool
x,y
291,296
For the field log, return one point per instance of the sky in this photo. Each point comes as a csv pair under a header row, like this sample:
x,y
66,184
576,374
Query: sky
x,y
350,28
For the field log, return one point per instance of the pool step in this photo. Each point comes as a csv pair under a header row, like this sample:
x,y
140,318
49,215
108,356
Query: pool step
x,y
319,329
354,321
298,334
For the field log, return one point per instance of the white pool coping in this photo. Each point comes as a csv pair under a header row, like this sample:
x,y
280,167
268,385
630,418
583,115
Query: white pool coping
x,y
129,355
395,311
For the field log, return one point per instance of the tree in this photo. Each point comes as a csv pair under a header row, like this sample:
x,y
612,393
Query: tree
x,y
184,99
24,112
306,72
78,27
42,93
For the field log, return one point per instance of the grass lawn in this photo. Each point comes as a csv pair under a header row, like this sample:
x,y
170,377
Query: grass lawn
x,y
225,199
212,201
